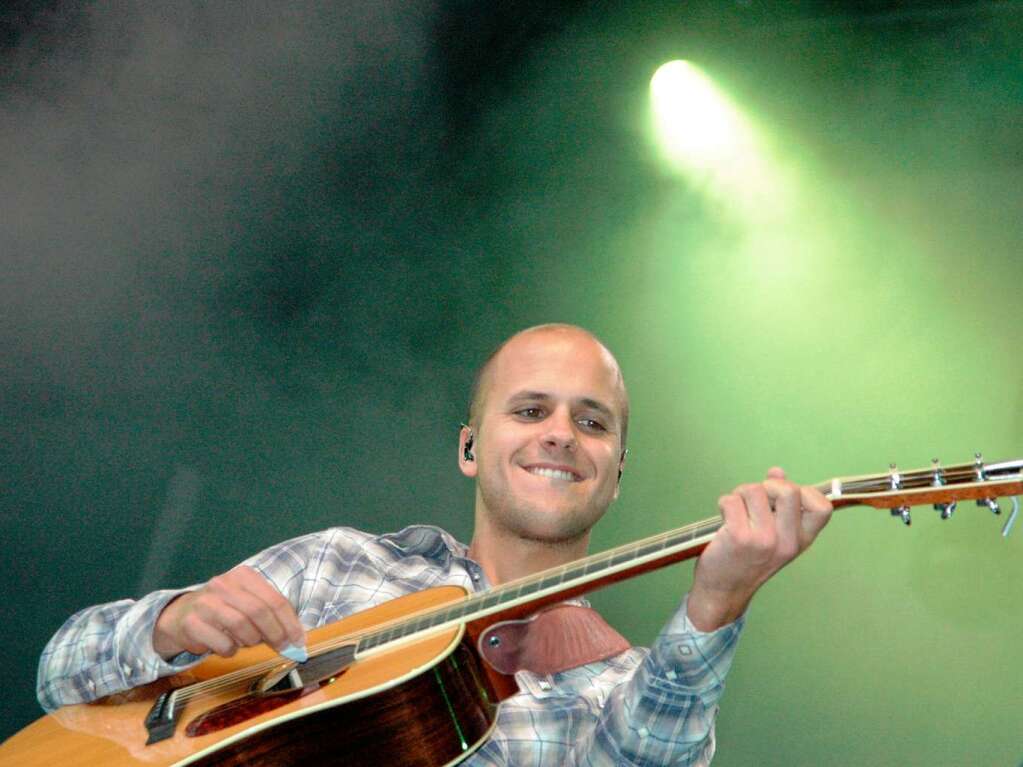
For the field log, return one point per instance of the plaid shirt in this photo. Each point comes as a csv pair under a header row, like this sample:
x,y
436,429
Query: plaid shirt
x,y
643,707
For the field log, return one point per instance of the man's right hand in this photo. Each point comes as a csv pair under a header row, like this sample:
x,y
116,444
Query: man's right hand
x,y
237,609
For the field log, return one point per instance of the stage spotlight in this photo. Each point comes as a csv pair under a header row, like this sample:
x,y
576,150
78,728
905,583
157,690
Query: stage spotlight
x,y
696,126
703,136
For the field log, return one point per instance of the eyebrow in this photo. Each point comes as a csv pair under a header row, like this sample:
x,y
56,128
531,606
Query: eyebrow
x,y
540,396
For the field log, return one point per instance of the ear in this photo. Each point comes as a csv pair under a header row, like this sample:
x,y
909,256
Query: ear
x,y
621,470
468,468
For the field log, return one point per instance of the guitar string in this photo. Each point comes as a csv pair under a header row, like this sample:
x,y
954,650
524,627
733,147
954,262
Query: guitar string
x,y
504,593
465,606
922,482
952,474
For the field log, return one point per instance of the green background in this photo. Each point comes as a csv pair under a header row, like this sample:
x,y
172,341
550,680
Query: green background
x,y
253,259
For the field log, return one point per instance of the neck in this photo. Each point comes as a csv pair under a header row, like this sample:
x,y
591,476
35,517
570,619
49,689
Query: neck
x,y
506,555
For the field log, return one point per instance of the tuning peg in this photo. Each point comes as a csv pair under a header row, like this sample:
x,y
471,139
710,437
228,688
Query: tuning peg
x,y
894,478
938,480
991,503
978,467
903,513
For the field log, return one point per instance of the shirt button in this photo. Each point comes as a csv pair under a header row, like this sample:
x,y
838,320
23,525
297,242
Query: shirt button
x,y
126,669
642,732
545,685
685,651
91,685
671,675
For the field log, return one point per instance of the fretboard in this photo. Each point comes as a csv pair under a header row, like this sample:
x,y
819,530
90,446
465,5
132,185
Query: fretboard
x,y
557,583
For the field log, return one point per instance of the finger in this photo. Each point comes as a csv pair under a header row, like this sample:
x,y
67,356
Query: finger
x,y
269,609
227,619
236,624
280,607
814,500
201,636
817,512
733,511
242,613
776,472
788,506
758,506
261,615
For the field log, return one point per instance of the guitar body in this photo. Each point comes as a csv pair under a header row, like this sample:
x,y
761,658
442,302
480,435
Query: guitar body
x,y
426,702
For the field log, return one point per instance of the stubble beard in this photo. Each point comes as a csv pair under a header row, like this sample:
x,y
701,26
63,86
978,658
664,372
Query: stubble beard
x,y
530,521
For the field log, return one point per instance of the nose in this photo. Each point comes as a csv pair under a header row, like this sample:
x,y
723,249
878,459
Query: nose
x,y
559,433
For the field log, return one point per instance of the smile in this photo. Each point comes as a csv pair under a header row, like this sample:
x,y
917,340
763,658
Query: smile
x,y
543,471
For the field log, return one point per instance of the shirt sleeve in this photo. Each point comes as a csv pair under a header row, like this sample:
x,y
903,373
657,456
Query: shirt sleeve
x,y
105,649
108,648
665,713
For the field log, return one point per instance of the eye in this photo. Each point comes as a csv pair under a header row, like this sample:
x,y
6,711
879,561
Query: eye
x,y
530,413
591,424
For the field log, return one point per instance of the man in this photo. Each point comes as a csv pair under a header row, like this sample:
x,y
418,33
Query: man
x,y
545,443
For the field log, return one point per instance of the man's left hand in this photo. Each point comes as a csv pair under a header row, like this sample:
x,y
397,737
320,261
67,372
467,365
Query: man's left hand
x,y
766,525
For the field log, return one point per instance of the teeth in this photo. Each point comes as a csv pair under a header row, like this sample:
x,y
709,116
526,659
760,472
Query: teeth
x,y
553,474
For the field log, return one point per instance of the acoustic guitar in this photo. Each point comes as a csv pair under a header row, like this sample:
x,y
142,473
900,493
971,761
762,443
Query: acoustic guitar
x,y
406,683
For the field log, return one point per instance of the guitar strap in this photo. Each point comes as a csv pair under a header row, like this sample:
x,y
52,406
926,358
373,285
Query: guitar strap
x,y
556,639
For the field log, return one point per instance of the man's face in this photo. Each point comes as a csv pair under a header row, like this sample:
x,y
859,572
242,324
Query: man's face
x,y
548,445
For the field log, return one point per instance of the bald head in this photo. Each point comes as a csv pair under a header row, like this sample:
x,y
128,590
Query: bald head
x,y
560,331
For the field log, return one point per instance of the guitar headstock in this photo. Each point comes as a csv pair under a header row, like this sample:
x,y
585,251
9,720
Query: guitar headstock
x,y
941,486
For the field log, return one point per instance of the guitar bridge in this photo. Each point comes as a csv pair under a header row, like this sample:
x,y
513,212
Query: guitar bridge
x,y
283,684
295,678
162,718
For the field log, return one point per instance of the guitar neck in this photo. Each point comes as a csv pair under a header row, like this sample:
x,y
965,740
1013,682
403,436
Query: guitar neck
x,y
527,595
895,490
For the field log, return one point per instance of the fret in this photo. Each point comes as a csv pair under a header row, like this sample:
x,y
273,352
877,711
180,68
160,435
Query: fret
x,y
621,558
550,581
417,625
518,592
490,600
648,549
453,613
529,587
574,573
